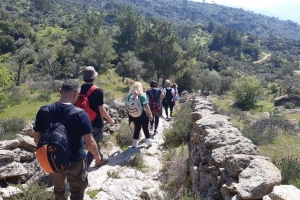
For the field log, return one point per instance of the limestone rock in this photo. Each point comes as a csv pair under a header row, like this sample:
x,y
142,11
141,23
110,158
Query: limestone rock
x,y
9,144
244,147
284,192
235,164
28,130
258,179
8,156
214,122
9,192
11,169
229,188
24,155
27,143
218,138
32,167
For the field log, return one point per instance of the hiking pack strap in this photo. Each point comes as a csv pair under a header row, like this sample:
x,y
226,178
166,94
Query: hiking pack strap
x,y
152,94
91,90
72,113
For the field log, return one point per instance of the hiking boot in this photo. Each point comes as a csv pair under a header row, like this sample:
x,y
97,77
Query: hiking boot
x,y
148,142
134,143
151,128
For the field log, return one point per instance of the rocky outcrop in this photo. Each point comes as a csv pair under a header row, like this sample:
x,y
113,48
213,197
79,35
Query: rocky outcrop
x,y
225,164
280,101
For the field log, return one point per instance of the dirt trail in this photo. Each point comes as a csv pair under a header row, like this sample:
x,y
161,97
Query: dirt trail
x,y
267,56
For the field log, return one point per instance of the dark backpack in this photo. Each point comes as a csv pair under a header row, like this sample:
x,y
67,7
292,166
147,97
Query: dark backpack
x,y
169,95
154,103
54,147
83,102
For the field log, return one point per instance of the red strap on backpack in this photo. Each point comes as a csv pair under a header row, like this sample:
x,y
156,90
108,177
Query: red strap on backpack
x,y
83,102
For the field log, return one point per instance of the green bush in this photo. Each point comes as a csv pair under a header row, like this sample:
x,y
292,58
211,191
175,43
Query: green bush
x,y
3,101
124,134
290,171
10,127
246,90
273,87
43,96
34,191
179,134
16,96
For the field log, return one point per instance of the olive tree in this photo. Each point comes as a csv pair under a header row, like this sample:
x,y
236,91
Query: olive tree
x,y
246,90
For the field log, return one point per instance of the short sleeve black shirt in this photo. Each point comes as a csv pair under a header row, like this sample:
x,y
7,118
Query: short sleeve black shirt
x,y
96,99
77,127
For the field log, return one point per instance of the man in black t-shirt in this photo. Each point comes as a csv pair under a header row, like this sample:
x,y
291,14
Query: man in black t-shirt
x,y
96,103
80,131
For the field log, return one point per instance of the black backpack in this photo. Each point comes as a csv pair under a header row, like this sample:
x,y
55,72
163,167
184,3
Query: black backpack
x,y
54,147
169,95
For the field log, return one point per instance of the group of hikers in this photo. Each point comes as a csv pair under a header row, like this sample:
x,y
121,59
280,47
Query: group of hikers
x,y
63,129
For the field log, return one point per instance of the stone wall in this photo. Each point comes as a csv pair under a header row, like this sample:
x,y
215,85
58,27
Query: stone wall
x,y
226,165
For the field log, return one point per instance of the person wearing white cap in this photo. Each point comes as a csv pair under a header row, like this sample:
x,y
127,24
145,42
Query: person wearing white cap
x,y
96,103
169,98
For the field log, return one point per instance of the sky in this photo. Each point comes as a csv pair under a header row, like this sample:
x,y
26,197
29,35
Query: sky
x,y
284,9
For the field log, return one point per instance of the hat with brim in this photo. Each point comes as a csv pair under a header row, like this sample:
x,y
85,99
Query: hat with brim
x,y
89,73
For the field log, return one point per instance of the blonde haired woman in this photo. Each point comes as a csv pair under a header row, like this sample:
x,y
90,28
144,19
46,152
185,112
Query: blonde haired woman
x,y
141,121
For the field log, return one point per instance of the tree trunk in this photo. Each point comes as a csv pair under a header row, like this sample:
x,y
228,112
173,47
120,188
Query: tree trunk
x,y
52,71
19,73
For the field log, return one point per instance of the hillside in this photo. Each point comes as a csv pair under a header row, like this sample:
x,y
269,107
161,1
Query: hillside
x,y
183,11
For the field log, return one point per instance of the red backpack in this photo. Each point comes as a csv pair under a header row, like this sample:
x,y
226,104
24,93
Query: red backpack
x,y
83,102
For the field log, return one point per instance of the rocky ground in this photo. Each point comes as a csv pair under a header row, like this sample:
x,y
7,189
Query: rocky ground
x,y
119,179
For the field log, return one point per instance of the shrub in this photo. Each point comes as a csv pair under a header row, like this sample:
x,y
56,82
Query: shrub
x,y
246,90
10,127
44,96
138,162
273,87
175,169
264,131
261,132
179,133
93,193
3,101
34,191
124,134
290,171
16,96
289,105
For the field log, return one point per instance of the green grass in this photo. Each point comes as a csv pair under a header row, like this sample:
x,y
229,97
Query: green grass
x,y
92,193
26,110
110,82
284,145
53,30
